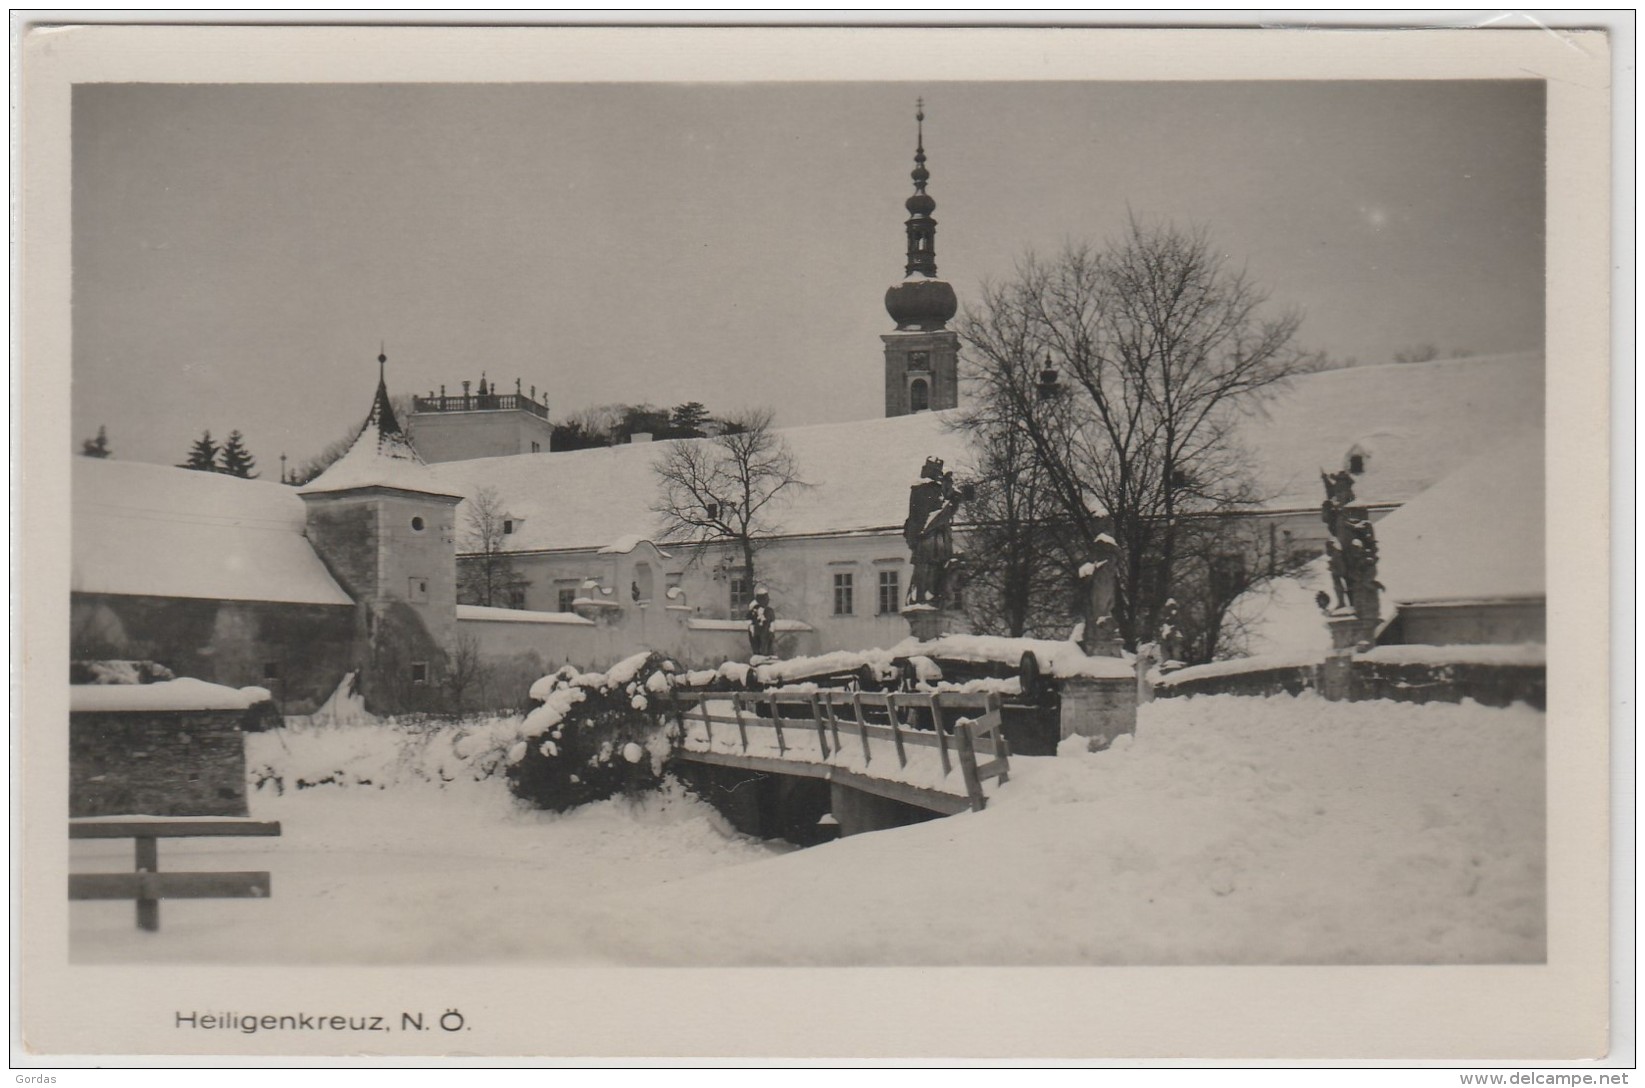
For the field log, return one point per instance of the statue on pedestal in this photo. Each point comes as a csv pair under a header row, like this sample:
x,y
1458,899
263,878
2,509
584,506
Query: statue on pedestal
x,y
932,504
1351,550
762,620
1170,632
1100,635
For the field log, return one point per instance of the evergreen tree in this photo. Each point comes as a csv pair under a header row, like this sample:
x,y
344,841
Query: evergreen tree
x,y
237,460
97,447
688,419
202,456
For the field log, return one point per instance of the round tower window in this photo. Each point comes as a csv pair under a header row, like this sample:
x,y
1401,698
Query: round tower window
x,y
417,525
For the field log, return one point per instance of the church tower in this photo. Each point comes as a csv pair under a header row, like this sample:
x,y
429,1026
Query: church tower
x,y
922,355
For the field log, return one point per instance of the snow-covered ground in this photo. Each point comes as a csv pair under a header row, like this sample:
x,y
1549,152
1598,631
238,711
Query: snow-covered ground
x,y
1229,830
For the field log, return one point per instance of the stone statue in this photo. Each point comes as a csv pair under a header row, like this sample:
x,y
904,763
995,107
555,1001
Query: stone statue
x,y
1100,576
1351,550
762,620
929,532
1170,631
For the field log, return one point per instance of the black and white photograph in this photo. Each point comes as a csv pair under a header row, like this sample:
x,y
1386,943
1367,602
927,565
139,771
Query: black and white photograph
x,y
875,522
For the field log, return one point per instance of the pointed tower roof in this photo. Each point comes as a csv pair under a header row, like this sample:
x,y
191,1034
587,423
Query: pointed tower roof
x,y
921,301
382,455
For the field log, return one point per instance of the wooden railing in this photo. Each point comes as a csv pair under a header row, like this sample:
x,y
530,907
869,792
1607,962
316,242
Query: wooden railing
x,y
148,885
815,727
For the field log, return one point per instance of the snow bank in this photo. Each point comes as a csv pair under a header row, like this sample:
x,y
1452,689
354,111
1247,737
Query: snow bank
x,y
1236,666
519,615
1060,660
1227,831
186,693
380,755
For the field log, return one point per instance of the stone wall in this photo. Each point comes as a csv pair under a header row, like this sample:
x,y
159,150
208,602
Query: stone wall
x,y
299,652
157,763
1354,679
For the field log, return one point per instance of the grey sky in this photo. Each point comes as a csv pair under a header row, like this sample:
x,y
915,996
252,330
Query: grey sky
x,y
240,251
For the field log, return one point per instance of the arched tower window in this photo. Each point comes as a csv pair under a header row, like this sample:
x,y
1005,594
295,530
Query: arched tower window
x,y
919,395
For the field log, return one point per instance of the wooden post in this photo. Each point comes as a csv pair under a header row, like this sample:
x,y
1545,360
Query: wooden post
x,y
862,726
737,709
708,723
777,724
967,746
833,722
148,861
942,740
896,730
822,733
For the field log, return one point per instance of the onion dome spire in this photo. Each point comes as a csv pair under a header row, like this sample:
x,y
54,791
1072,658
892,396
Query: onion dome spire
x,y
921,300
922,229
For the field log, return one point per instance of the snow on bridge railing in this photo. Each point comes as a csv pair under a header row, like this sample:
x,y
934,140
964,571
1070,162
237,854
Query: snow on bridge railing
x,y
914,738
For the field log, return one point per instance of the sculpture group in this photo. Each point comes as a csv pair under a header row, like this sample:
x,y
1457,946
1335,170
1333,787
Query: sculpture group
x,y
1351,549
929,533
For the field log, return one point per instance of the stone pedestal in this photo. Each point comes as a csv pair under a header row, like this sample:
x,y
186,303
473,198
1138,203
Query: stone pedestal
x,y
1099,708
926,623
1349,633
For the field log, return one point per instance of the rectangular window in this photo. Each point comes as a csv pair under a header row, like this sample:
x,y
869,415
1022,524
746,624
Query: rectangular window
x,y
536,447
568,597
419,672
1227,576
742,594
516,597
890,591
271,670
417,592
508,526
844,588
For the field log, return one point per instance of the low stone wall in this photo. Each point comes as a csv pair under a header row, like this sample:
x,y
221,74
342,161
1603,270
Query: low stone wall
x,y
1355,679
157,763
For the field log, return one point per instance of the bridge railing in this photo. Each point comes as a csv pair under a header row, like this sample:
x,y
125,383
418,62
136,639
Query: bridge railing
x,y
888,734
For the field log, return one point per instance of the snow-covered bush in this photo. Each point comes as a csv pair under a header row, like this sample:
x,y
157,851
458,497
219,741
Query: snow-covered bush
x,y
593,736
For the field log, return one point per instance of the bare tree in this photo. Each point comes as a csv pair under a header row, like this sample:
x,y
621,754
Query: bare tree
x,y
1120,374
723,491
486,574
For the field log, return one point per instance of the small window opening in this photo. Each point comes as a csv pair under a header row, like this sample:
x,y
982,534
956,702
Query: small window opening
x,y
1356,464
508,526
416,525
919,396
271,670
419,672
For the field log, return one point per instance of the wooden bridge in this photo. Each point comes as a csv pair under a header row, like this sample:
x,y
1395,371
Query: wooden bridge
x,y
937,753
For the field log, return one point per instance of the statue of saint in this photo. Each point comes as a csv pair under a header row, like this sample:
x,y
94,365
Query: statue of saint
x,y
929,531
1100,576
762,620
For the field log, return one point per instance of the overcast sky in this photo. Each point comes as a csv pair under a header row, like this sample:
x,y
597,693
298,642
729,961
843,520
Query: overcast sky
x,y
239,252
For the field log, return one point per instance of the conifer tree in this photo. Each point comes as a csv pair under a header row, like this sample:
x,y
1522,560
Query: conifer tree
x,y
202,456
236,459
97,447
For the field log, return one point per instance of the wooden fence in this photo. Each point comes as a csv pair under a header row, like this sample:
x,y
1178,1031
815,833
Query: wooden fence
x,y
148,885
814,727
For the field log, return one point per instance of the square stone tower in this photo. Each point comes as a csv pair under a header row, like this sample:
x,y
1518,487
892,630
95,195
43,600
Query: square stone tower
x,y
389,538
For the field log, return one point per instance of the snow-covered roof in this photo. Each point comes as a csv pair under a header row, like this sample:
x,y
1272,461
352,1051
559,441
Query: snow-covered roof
x,y
860,473
519,615
184,693
381,456
1415,423
170,532
1477,534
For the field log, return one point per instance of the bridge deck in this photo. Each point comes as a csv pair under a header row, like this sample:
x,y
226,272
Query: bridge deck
x,y
922,749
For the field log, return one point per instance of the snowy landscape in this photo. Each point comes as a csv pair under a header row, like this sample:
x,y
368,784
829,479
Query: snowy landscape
x,y
1227,831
